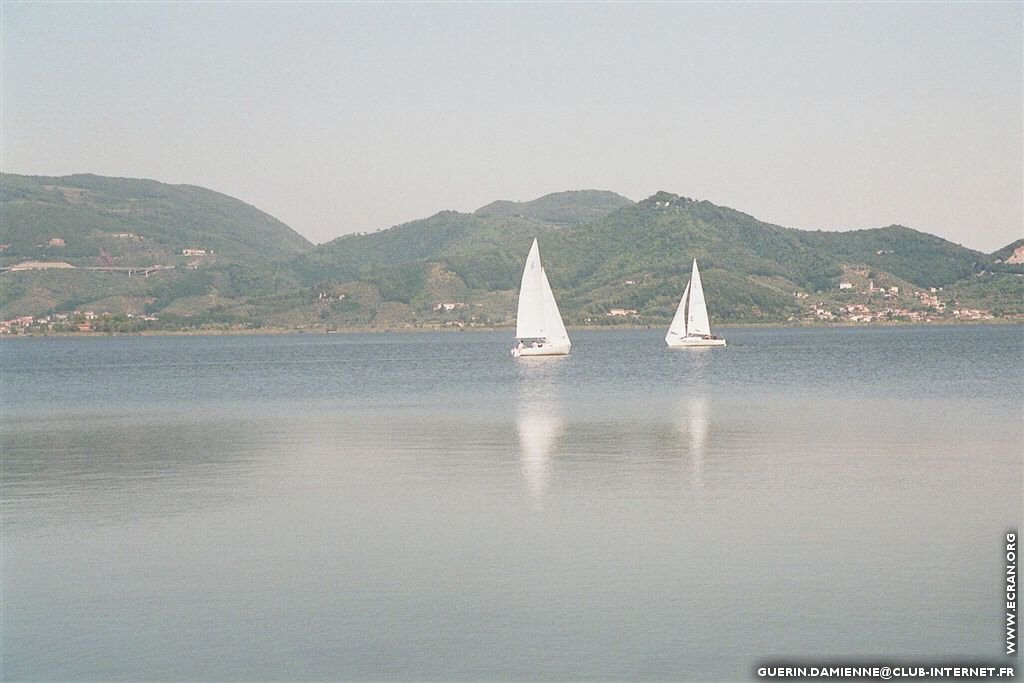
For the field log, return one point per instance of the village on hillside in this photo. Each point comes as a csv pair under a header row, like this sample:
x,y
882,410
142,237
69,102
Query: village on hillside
x,y
860,295
849,303
885,304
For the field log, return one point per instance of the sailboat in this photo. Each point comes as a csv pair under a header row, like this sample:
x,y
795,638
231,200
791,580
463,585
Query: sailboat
x,y
690,326
539,327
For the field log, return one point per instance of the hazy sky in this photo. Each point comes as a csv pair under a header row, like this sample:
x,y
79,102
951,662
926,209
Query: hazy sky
x,y
349,117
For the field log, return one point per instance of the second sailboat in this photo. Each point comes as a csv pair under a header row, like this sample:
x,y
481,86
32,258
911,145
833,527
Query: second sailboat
x,y
690,327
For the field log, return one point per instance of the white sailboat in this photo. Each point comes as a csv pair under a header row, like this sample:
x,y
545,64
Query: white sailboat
x,y
690,326
539,327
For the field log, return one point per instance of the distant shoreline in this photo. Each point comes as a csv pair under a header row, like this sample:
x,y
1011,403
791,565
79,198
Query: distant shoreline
x,y
407,330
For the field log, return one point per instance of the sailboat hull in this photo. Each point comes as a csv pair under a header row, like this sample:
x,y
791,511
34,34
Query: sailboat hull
x,y
694,342
552,350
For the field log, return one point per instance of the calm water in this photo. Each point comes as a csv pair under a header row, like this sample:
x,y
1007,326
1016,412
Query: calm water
x,y
424,507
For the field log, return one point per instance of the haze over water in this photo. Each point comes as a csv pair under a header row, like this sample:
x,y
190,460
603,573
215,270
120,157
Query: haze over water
x,y
421,506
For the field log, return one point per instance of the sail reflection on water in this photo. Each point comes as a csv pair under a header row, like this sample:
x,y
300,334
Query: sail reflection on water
x,y
540,423
694,419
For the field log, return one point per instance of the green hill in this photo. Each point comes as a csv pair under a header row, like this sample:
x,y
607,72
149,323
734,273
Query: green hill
x,y
1008,251
917,257
559,208
93,220
636,256
481,247
1009,259
1002,293
602,252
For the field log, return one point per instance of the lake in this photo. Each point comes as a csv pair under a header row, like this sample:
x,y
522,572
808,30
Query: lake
x,y
422,506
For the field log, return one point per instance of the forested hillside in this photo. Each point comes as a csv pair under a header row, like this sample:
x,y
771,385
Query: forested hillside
x,y
634,257
93,220
187,257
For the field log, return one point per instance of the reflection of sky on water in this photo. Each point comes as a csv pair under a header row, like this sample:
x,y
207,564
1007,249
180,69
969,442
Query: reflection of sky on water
x,y
111,470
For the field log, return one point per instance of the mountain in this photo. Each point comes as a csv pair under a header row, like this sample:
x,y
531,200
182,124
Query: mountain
x,y
482,247
94,220
636,256
105,226
916,257
604,254
1013,251
559,208
1009,259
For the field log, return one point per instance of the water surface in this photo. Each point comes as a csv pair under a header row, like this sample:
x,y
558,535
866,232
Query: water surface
x,y
421,506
